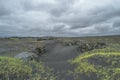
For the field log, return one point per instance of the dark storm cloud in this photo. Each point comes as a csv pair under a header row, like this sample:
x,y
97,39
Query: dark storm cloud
x,y
59,17
54,7
116,23
103,28
98,16
3,9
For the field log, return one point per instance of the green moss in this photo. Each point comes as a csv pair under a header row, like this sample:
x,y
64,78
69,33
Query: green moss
x,y
105,66
10,68
99,64
16,69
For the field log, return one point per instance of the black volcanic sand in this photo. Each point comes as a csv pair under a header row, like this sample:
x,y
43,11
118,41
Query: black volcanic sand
x,y
57,57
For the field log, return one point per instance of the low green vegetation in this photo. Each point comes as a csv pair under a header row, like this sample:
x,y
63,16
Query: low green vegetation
x,y
99,58
99,64
16,69
104,66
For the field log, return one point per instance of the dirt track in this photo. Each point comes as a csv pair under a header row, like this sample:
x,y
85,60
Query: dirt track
x,y
57,57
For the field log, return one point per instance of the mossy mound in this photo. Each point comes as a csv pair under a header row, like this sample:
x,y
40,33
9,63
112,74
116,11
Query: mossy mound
x,y
98,66
16,69
84,46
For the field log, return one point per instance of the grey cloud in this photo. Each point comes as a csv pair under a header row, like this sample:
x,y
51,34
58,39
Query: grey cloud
x,y
59,27
59,17
55,8
116,23
3,9
98,16
62,7
103,28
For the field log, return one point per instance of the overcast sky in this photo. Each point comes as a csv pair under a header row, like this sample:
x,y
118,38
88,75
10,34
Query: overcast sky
x,y
59,17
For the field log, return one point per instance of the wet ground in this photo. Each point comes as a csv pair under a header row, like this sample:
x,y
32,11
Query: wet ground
x,y
57,58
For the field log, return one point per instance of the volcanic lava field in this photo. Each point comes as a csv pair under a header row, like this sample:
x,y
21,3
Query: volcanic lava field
x,y
60,58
